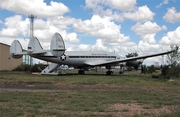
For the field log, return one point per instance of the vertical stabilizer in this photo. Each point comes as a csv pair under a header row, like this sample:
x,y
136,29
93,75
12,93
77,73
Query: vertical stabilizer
x,y
34,45
16,49
57,45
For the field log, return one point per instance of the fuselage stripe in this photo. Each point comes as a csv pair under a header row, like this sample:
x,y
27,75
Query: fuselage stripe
x,y
80,56
91,56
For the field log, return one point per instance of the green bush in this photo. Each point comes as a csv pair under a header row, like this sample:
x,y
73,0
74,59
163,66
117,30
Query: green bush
x,y
170,71
151,69
33,68
164,70
143,69
154,75
23,67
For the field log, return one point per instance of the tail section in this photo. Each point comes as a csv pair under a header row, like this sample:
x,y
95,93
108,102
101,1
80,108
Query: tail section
x,y
16,50
34,45
57,45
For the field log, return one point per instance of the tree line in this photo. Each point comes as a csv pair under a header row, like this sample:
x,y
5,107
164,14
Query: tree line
x,y
170,70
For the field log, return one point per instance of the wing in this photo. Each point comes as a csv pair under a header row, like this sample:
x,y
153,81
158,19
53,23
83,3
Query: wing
x,y
116,61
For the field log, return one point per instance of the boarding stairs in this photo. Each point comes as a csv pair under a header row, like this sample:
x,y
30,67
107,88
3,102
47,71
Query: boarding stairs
x,y
49,70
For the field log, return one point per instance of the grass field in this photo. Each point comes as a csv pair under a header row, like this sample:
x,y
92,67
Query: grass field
x,y
94,95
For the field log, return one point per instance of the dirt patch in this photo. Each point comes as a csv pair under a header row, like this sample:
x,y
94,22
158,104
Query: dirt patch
x,y
137,109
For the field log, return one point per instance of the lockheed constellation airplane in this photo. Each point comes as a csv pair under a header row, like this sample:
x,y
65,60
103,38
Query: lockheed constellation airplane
x,y
58,55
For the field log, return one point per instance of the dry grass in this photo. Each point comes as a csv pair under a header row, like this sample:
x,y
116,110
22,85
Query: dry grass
x,y
132,109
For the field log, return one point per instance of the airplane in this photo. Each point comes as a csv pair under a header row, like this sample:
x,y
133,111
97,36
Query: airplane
x,y
58,55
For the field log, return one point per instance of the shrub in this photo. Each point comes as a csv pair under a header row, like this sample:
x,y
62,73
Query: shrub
x,y
34,68
23,67
164,70
143,69
170,72
151,69
154,75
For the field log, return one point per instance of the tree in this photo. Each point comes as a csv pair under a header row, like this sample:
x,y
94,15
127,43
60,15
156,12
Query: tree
x,y
172,71
151,69
132,55
174,57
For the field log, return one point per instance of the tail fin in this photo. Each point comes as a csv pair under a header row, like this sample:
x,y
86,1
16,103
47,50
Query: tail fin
x,y
57,45
16,50
34,45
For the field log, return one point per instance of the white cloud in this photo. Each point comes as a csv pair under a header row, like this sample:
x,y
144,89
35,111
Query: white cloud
x,y
36,7
102,28
47,34
84,47
62,22
72,37
147,31
119,9
40,24
15,26
125,48
172,15
149,38
125,5
114,4
162,3
110,8
146,28
147,48
164,27
171,38
141,14
99,46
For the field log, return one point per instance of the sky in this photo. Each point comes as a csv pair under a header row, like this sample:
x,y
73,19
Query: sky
x,y
120,26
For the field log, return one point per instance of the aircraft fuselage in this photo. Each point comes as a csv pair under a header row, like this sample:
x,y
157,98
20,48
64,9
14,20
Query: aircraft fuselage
x,y
79,58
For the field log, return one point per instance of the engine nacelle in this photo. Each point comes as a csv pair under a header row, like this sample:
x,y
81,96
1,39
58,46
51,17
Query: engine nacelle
x,y
134,63
16,49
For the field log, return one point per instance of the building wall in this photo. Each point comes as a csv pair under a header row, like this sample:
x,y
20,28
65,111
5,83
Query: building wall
x,y
6,61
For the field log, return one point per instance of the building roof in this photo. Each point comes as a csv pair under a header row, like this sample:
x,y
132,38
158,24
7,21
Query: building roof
x,y
4,44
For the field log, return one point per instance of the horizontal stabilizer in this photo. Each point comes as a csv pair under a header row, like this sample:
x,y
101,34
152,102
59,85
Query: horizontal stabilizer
x,y
57,45
37,52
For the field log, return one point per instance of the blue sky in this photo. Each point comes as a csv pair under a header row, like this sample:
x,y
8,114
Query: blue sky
x,y
143,26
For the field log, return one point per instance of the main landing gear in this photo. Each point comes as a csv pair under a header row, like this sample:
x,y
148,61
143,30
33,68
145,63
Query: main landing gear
x,y
109,73
81,71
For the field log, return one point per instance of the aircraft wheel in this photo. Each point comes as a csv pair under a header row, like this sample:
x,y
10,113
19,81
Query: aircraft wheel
x,y
81,72
109,73
121,72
